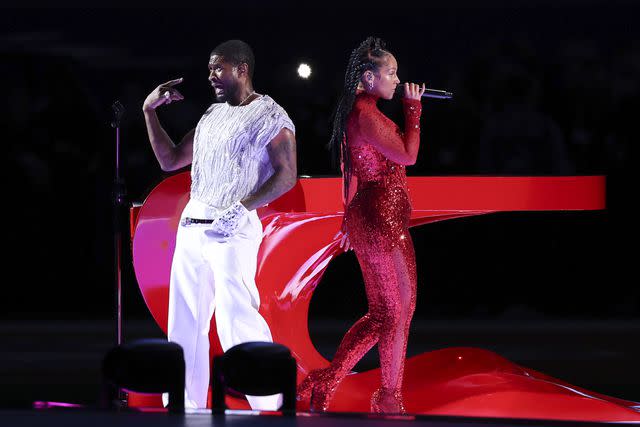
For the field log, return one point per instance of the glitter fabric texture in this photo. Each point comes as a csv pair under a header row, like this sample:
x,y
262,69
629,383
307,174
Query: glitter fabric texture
x,y
228,222
230,158
376,220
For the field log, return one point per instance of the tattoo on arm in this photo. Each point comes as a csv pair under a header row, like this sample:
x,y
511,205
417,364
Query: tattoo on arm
x,y
282,153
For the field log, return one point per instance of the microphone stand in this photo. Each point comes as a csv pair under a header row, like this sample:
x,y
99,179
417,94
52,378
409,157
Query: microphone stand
x,y
119,199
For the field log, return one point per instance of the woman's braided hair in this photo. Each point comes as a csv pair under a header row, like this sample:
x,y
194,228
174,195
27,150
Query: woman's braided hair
x,y
369,55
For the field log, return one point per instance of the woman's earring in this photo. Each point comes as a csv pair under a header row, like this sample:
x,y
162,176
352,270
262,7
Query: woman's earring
x,y
370,84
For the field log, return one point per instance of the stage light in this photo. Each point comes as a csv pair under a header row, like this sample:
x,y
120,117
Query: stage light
x,y
149,365
304,70
254,368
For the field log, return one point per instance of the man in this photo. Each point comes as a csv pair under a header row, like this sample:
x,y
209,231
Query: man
x,y
243,156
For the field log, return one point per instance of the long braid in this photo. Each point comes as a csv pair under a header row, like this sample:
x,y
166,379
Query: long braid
x,y
369,55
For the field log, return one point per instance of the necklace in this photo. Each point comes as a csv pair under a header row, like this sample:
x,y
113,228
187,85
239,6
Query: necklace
x,y
248,96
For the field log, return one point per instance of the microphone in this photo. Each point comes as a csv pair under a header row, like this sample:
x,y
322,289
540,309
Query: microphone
x,y
118,111
428,93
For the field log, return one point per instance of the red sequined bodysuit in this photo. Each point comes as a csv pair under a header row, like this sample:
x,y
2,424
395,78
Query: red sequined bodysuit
x,y
376,220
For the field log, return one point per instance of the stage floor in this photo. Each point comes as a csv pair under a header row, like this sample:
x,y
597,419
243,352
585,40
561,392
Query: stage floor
x,y
80,417
60,361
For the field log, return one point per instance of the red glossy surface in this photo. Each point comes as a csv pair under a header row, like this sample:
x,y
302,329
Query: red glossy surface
x,y
298,245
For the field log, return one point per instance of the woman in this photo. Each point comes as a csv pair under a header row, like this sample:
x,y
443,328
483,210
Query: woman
x,y
373,153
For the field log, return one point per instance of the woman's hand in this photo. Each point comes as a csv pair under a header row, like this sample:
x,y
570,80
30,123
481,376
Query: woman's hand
x,y
345,244
163,94
413,90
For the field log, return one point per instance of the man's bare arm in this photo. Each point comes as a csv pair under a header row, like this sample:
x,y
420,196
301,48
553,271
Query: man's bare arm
x,y
282,153
169,155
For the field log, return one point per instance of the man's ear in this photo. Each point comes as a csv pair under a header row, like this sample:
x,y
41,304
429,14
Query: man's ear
x,y
243,69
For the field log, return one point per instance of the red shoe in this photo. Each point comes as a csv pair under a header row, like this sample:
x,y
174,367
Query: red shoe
x,y
319,386
387,401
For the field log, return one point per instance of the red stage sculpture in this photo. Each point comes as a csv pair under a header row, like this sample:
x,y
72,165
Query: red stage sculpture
x,y
298,245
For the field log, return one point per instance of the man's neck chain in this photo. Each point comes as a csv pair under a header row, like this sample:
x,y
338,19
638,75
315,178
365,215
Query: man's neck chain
x,y
248,96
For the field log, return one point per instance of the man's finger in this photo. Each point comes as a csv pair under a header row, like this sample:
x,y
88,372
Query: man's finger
x,y
172,82
176,95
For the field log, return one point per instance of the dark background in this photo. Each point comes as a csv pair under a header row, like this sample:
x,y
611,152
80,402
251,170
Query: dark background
x,y
541,88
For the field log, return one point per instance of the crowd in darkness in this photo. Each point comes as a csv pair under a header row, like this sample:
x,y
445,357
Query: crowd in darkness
x,y
522,106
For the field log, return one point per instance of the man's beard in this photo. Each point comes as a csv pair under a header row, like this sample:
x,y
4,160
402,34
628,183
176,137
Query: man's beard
x,y
227,93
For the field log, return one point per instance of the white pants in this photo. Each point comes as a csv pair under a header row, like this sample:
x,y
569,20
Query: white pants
x,y
214,274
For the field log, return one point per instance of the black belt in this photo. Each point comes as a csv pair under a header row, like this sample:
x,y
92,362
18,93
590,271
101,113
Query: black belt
x,y
189,221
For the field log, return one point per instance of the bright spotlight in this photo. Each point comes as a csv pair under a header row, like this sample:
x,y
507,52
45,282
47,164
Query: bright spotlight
x,y
304,71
